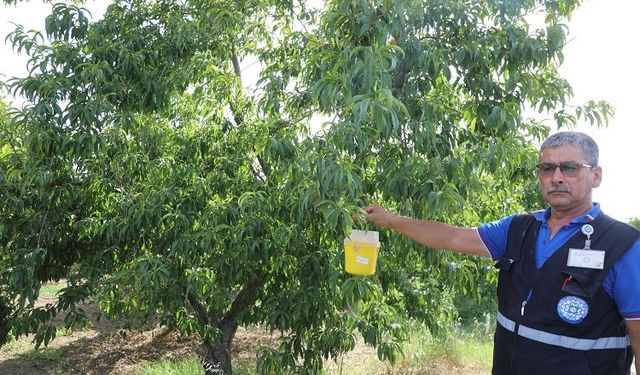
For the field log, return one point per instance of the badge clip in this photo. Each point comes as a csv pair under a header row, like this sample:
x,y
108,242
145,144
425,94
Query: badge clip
x,y
587,230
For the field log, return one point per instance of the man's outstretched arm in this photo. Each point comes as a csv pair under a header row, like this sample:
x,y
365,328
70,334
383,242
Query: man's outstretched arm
x,y
430,233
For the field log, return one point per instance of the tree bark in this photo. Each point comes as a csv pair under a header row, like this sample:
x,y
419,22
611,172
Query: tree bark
x,y
219,351
4,320
217,359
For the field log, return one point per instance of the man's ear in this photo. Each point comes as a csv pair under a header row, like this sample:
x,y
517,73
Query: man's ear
x,y
597,176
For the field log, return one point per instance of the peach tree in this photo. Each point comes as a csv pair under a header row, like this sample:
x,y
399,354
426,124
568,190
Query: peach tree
x,y
198,163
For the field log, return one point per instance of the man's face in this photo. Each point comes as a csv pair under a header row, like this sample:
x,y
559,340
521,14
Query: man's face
x,y
571,190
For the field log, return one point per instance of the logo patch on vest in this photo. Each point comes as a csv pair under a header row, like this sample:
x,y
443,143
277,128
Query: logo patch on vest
x,y
573,309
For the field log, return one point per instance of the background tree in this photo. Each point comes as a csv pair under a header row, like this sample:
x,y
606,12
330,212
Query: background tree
x,y
145,171
635,221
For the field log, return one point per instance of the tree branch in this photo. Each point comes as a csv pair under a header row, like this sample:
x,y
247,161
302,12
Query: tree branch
x,y
399,79
237,114
263,165
245,298
201,312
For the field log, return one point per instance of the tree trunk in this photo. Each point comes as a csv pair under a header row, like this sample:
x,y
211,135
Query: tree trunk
x,y
217,360
4,320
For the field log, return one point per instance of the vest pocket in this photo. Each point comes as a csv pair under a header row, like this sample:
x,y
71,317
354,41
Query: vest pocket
x,y
574,284
504,264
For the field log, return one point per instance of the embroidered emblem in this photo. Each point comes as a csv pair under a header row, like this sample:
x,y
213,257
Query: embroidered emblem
x,y
573,309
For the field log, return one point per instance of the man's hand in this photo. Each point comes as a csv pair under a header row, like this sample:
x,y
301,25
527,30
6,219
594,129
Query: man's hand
x,y
379,216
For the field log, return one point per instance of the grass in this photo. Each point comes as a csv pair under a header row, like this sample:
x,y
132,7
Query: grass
x,y
49,354
463,348
190,366
17,346
466,349
167,367
55,356
24,349
51,288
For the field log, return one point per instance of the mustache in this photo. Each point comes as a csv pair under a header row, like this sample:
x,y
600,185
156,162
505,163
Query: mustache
x,y
558,189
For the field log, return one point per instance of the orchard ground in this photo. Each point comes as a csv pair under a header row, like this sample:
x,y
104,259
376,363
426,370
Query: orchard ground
x,y
103,349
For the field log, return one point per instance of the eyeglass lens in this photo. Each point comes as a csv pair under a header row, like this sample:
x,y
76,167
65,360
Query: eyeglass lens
x,y
567,169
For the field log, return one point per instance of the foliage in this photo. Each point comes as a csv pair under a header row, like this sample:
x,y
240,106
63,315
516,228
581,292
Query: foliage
x,y
635,222
144,169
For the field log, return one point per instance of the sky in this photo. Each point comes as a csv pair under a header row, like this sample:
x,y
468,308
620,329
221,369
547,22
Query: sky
x,y
599,64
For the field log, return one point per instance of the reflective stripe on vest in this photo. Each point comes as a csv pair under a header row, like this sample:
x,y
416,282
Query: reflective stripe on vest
x,y
564,341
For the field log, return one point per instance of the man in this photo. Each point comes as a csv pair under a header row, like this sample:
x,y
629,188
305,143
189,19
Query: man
x,y
569,281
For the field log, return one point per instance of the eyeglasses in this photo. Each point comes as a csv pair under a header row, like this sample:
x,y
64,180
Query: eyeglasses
x,y
567,169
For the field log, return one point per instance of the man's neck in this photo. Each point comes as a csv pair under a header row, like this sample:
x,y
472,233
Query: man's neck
x,y
559,217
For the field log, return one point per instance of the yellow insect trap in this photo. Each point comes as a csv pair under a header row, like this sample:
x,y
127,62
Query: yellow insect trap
x,y
361,252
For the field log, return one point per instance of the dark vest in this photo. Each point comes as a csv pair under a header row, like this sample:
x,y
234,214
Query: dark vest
x,y
568,324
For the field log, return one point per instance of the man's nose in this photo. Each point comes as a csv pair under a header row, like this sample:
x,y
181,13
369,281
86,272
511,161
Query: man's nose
x,y
557,175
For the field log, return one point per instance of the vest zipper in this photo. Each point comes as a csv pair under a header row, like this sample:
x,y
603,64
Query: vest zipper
x,y
532,280
524,303
517,322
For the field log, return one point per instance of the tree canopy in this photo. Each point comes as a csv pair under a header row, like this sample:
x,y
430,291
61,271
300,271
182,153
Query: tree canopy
x,y
149,169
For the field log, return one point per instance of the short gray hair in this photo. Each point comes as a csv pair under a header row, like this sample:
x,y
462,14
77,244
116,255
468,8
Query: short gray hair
x,y
586,143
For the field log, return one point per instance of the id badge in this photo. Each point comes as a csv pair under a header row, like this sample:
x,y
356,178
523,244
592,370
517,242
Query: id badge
x,y
586,258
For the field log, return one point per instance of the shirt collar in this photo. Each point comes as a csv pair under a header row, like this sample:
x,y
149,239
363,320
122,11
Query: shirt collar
x,y
543,215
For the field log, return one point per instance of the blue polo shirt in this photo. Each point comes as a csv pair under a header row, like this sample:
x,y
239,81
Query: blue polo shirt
x,y
622,283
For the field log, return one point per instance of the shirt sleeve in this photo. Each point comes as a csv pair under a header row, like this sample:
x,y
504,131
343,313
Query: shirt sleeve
x,y
623,283
494,236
